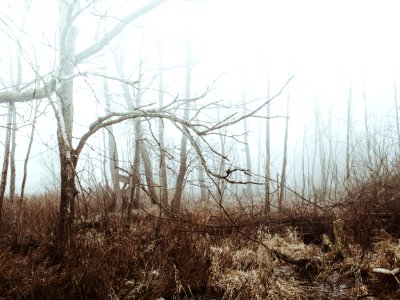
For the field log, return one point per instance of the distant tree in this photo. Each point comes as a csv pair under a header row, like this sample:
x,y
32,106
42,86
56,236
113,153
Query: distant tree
x,y
6,159
13,173
284,161
267,204
397,107
113,156
28,151
61,83
176,201
367,134
162,160
348,136
58,87
248,191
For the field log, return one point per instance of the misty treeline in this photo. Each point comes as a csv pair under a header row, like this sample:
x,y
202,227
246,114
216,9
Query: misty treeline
x,y
149,133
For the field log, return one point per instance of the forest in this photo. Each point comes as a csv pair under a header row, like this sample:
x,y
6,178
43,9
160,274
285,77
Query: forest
x,y
199,149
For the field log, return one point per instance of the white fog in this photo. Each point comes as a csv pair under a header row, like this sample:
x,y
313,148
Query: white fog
x,y
167,107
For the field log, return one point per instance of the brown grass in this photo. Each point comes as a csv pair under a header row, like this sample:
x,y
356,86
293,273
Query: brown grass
x,y
201,255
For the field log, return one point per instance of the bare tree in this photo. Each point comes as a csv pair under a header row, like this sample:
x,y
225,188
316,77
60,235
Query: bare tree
x,y
140,138
6,159
113,156
397,114
248,190
64,108
222,164
141,154
176,201
303,169
162,160
348,133
284,162
367,135
267,205
134,176
13,174
58,87
28,151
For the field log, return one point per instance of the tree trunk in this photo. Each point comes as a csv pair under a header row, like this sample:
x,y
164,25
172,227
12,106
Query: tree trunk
x,y
134,184
202,182
28,152
144,154
135,179
322,159
113,158
348,138
397,115
163,170
176,201
284,163
13,209
221,184
222,167
201,175
148,172
68,160
303,170
248,192
139,145
6,158
267,205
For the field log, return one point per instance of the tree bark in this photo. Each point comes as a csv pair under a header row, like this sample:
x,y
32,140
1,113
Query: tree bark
x,y
28,152
348,132
6,159
176,201
106,39
162,161
113,158
248,190
13,209
284,162
397,116
68,34
135,179
267,205
222,167
64,110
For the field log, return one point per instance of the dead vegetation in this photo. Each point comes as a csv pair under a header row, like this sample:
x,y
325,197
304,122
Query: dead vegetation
x,y
352,252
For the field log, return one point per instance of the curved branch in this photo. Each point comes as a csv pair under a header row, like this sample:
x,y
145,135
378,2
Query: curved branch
x,y
120,117
106,39
28,95
249,114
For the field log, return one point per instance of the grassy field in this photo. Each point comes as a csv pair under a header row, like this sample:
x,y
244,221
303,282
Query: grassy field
x,y
202,254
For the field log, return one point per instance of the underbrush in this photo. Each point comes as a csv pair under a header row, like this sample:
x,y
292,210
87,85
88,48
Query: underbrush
x,y
201,255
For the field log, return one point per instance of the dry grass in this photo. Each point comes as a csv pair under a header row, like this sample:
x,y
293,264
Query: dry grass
x,y
201,255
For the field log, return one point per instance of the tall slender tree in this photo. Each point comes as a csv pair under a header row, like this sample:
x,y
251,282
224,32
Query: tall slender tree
x,y
397,107
180,180
248,190
113,156
13,173
162,160
6,159
267,204
284,161
348,136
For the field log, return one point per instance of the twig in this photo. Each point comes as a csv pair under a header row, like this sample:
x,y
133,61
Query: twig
x,y
388,272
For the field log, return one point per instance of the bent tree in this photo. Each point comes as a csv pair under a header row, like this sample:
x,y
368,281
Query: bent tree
x,y
58,87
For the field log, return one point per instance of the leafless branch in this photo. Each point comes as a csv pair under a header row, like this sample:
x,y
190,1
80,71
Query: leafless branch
x,y
29,95
108,37
249,114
